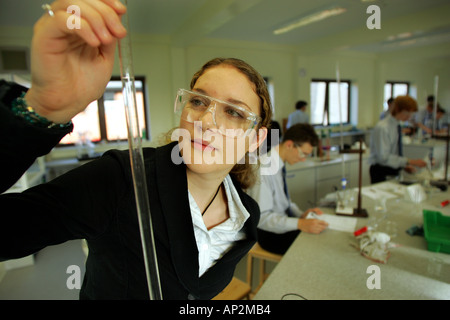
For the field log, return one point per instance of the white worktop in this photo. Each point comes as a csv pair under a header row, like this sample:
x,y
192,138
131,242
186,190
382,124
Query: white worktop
x,y
326,266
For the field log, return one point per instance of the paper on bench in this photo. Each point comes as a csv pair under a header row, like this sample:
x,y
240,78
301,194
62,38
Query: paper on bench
x,y
377,193
347,224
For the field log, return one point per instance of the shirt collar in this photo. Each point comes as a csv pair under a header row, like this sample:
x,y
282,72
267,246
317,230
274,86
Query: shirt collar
x,y
238,212
391,118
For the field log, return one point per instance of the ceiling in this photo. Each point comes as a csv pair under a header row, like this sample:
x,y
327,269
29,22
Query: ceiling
x,y
423,25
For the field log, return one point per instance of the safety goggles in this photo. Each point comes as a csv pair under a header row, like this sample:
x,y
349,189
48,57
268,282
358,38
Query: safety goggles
x,y
229,119
301,154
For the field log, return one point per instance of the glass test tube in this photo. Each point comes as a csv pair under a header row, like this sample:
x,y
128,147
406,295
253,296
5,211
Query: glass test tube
x,y
137,163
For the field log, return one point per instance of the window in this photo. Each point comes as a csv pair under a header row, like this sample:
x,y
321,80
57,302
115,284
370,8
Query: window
x,y
104,119
325,102
393,89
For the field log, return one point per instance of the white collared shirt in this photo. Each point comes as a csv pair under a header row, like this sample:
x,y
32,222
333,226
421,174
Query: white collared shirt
x,y
384,144
269,193
298,116
214,243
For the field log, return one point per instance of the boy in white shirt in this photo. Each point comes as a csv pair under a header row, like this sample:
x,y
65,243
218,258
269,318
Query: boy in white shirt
x,y
281,220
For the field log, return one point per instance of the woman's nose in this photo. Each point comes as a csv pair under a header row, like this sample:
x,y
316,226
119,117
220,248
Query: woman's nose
x,y
207,118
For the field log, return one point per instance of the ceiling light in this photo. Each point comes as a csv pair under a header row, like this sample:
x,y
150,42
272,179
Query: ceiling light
x,y
310,19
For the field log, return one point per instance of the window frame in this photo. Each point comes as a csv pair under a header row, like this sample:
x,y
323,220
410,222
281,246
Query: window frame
x,y
393,83
326,102
102,115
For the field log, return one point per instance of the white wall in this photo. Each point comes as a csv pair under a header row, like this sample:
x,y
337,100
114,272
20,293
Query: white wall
x,y
168,67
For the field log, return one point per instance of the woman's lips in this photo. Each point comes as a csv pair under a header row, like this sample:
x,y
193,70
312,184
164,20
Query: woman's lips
x,y
202,145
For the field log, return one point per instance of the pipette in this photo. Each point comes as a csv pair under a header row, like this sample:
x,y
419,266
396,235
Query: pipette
x,y
137,163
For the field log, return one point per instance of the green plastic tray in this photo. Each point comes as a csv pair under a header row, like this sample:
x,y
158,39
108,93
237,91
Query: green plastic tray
x,y
437,231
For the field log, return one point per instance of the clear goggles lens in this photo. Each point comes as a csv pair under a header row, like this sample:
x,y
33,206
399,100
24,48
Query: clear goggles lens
x,y
229,119
301,154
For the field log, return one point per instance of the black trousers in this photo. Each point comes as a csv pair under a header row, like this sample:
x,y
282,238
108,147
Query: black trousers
x,y
378,173
276,243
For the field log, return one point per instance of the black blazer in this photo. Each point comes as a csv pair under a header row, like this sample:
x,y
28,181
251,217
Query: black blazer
x,y
96,202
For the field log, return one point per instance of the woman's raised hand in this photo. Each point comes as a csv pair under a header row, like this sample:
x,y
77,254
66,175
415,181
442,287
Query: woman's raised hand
x,y
71,64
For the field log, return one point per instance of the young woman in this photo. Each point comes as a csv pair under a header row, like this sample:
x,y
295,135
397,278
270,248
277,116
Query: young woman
x,y
202,220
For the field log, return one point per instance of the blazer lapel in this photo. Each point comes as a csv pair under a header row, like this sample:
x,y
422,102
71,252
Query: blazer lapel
x,y
172,182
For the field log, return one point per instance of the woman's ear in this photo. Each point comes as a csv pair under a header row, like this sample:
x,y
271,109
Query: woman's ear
x,y
258,139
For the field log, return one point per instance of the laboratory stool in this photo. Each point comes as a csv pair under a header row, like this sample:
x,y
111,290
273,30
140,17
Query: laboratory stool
x,y
262,255
236,290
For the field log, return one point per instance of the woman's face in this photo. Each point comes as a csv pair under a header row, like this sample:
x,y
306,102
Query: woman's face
x,y
203,148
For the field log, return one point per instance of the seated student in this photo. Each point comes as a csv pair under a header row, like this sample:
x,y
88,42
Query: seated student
x,y
423,118
386,154
281,220
441,121
388,110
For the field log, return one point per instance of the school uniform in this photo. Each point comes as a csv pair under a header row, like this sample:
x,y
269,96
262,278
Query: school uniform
x,y
386,155
96,202
278,226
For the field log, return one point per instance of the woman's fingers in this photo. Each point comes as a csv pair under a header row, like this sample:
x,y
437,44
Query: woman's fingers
x,y
96,22
111,18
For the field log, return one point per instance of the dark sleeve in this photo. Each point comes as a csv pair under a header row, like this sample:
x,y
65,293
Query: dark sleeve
x,y
82,203
79,204
20,142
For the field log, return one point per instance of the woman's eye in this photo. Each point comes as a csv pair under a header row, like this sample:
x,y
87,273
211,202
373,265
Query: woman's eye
x,y
197,102
236,113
